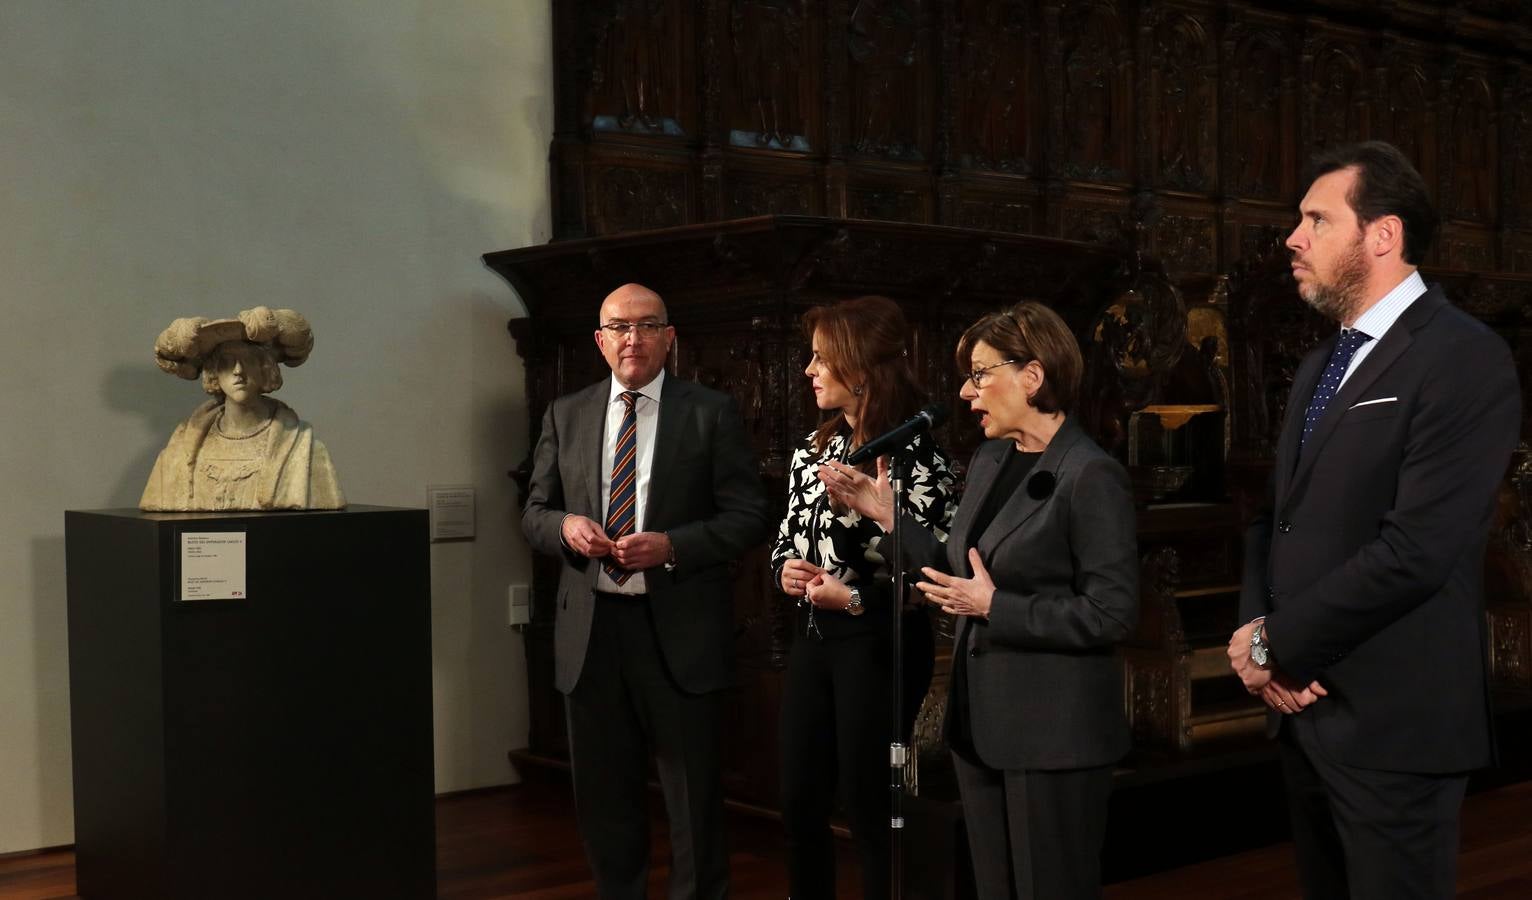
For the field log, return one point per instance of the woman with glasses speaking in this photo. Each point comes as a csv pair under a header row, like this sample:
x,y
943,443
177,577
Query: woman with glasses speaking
x,y
1042,567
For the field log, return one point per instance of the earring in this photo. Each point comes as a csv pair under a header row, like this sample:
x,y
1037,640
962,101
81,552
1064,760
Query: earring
x,y
857,391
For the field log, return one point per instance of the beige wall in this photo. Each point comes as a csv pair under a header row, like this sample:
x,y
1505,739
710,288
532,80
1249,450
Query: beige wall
x,y
348,158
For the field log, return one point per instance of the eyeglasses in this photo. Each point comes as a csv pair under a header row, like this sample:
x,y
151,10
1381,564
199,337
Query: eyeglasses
x,y
977,375
644,330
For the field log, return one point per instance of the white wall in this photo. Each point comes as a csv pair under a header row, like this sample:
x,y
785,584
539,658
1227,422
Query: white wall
x,y
350,159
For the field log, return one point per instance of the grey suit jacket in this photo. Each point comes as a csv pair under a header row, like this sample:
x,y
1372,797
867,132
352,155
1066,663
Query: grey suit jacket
x,y
704,491
1368,563
1045,689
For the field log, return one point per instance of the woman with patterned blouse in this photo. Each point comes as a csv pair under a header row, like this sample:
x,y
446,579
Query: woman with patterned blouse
x,y
839,688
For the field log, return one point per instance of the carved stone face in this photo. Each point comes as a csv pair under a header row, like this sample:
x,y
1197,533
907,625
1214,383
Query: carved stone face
x,y
1328,259
637,356
241,369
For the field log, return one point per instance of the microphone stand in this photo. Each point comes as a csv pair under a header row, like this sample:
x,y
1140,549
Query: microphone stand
x,y
898,751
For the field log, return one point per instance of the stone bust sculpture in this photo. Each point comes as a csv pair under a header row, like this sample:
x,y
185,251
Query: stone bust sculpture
x,y
241,450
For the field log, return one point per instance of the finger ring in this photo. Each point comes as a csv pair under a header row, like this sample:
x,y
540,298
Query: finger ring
x,y
1282,704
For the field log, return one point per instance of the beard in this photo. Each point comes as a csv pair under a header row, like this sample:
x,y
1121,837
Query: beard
x,y
1341,296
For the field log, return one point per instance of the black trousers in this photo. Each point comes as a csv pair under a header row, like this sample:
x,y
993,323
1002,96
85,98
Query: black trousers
x,y
837,710
1034,834
625,708
1367,833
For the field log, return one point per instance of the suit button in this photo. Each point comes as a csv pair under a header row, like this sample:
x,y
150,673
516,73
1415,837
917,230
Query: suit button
x,y
974,653
1271,595
1284,526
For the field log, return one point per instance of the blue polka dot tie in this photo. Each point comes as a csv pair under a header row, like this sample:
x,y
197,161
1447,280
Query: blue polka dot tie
x,y
1350,342
622,506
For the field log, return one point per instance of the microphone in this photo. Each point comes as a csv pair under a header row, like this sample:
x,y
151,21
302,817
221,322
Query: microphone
x,y
896,438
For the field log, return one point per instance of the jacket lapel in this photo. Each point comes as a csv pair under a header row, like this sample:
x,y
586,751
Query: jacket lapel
x,y
1024,505
1307,378
980,481
1390,349
592,432
667,444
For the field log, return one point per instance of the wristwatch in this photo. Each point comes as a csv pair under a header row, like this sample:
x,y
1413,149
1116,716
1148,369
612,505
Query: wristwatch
x,y
1260,653
855,607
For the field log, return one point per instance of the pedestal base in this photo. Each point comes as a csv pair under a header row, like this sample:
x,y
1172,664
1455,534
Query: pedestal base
x,y
273,746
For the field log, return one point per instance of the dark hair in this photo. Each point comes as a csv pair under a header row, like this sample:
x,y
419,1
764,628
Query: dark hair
x,y
862,342
1028,331
1386,185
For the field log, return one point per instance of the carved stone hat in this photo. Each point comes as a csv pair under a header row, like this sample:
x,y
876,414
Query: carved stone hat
x,y
184,347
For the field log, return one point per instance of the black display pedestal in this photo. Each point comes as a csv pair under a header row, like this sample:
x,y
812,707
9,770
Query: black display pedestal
x,y
276,746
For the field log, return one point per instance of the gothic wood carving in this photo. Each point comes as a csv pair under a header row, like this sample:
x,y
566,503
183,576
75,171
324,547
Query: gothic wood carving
x,y
1095,63
1018,115
1339,102
637,80
771,55
1259,105
1516,144
884,39
1471,186
1186,89
997,113
637,199
1412,116
1186,243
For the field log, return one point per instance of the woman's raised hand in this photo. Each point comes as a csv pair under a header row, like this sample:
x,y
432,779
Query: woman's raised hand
x,y
961,596
873,498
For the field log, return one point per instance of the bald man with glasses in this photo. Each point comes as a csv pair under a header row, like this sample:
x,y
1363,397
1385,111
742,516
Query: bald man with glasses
x,y
646,489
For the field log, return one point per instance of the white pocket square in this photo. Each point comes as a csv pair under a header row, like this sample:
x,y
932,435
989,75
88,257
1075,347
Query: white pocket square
x,y
1379,400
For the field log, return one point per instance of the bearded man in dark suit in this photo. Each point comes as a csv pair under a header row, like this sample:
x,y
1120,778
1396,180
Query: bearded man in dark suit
x,y
646,488
1363,585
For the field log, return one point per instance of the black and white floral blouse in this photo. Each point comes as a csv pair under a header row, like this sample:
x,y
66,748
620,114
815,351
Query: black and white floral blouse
x,y
848,545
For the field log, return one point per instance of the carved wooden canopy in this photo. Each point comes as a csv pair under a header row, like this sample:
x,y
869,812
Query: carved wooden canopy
x,y
735,291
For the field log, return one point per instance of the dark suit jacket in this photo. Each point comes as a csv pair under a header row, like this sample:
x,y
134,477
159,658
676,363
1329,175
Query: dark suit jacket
x,y
1045,688
1368,566
704,491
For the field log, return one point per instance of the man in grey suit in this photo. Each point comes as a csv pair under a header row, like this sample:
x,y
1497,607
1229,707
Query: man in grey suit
x,y
645,487
1363,587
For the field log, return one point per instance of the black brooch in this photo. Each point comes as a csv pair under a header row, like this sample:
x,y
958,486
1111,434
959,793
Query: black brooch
x,y
1040,485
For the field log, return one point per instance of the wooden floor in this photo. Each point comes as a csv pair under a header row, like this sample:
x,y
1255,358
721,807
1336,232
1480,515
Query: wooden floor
x,y
521,842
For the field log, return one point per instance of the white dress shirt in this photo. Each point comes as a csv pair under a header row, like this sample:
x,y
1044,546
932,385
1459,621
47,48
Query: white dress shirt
x,y
648,407
1382,315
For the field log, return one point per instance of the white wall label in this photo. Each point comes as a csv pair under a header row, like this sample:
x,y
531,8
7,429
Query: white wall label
x,y
451,512
213,565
